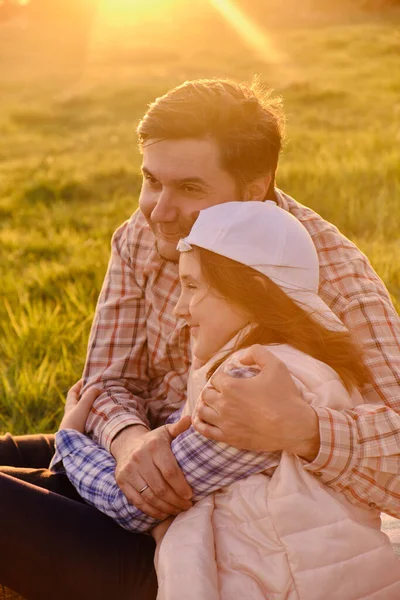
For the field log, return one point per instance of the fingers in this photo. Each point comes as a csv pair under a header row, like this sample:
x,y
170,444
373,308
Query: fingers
x,y
140,502
258,355
159,499
175,429
170,470
210,396
207,414
76,411
71,399
163,506
209,431
76,388
86,402
148,460
255,355
206,419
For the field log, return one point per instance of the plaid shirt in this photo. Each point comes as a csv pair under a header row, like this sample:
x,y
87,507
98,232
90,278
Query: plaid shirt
x,y
139,352
91,469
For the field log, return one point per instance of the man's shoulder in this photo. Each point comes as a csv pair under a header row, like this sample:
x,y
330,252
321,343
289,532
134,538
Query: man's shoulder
x,y
325,235
345,271
135,230
134,244
134,241
333,247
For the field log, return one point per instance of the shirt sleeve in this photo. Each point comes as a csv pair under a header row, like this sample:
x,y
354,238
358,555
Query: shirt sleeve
x,y
207,466
90,468
117,355
360,448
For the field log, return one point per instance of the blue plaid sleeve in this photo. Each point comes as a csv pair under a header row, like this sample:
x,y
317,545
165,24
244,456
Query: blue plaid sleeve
x,y
175,416
90,468
209,466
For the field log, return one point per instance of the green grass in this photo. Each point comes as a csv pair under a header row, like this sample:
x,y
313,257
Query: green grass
x,y
70,166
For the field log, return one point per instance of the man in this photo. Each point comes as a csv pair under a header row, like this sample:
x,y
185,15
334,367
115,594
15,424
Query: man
x,y
204,143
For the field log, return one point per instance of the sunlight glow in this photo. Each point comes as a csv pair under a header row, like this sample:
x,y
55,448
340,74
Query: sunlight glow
x,y
249,31
117,10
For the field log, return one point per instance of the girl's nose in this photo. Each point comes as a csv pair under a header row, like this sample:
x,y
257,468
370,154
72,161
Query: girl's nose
x,y
181,308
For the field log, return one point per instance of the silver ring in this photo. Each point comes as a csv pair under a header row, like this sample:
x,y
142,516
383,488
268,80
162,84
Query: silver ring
x,y
143,488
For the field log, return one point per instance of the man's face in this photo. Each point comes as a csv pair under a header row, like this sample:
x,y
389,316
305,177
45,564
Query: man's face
x,y
180,178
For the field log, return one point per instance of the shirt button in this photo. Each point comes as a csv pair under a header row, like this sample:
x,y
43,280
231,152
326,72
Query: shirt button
x,y
318,474
371,504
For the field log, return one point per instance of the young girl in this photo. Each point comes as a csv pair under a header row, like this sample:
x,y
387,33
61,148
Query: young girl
x,y
266,527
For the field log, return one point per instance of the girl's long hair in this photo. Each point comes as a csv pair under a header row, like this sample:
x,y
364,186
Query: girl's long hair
x,y
280,320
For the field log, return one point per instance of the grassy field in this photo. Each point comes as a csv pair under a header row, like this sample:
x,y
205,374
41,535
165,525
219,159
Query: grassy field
x,y
70,167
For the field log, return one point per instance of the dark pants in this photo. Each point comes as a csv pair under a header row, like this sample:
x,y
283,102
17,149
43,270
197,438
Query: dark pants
x,y
53,545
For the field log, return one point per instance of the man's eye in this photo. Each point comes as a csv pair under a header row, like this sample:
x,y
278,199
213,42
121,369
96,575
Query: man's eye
x,y
150,180
191,189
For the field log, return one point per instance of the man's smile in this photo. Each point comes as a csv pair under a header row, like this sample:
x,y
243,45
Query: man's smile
x,y
169,236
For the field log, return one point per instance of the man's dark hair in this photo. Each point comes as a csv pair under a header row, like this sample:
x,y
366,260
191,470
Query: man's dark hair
x,y
245,120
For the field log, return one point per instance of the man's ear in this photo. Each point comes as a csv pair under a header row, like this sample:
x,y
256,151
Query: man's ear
x,y
258,188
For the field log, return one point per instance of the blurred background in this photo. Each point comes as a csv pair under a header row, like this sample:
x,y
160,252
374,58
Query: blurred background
x,y
75,78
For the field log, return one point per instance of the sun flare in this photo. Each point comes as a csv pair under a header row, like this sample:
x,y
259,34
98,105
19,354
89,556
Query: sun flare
x,y
122,9
253,35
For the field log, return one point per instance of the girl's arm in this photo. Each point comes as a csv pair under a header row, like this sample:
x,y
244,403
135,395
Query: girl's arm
x,y
207,465
91,468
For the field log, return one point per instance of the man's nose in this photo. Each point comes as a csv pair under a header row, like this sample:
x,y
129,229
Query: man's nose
x,y
165,209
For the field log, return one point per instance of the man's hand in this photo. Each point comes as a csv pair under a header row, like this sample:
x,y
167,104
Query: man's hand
x,y
144,458
76,411
263,413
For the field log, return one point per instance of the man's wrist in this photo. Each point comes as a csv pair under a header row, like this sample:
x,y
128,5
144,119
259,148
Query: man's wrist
x,y
131,431
307,443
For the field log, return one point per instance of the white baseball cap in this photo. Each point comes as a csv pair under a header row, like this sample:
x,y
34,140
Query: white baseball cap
x,y
269,240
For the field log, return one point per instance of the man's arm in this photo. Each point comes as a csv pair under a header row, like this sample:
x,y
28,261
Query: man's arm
x,y
207,466
91,470
116,361
360,448
117,364
359,453
356,452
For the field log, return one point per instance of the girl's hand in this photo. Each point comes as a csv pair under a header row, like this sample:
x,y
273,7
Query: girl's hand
x,y
76,411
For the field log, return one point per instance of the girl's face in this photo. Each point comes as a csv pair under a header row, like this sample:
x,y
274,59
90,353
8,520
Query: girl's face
x,y
212,319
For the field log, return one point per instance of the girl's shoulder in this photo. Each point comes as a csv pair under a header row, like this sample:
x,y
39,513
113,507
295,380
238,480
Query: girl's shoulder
x,y
309,370
303,365
318,382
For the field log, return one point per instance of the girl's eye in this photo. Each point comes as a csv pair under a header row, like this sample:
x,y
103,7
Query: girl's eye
x,y
189,286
